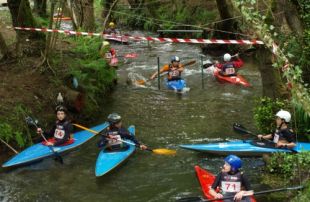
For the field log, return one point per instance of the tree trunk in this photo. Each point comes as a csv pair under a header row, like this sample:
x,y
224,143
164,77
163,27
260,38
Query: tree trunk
x,y
4,48
225,10
22,17
88,23
106,7
271,78
40,7
77,12
292,17
106,18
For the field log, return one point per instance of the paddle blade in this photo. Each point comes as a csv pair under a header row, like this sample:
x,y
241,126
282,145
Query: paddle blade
x,y
164,151
131,55
140,82
240,129
29,120
190,63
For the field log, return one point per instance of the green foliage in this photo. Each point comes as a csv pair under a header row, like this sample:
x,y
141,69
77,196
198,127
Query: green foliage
x,y
42,22
289,165
303,196
14,130
164,16
92,72
264,113
302,121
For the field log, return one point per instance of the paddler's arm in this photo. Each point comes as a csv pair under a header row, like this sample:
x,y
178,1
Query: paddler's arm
x,y
215,184
248,190
181,68
163,69
286,145
266,137
124,133
238,63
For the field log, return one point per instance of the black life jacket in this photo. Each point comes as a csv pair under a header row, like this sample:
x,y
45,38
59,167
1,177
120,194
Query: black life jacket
x,y
230,183
229,68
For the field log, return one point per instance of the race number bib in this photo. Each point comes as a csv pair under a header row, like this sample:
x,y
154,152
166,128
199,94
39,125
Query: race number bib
x,y
231,186
174,73
115,140
276,138
59,134
230,70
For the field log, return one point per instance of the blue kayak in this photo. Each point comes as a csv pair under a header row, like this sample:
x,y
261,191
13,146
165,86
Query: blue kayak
x,y
107,160
245,148
39,151
176,85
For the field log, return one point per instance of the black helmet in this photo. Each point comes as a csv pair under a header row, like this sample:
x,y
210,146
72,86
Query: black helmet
x,y
114,118
175,59
61,108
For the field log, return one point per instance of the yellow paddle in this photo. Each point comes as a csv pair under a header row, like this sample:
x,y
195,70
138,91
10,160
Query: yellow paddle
x,y
161,151
142,82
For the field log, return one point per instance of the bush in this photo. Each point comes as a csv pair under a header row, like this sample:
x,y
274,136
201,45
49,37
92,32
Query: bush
x,y
92,72
14,130
264,113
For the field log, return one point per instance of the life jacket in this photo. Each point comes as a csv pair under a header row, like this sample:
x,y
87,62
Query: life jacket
x,y
115,141
230,184
229,68
174,73
279,135
60,130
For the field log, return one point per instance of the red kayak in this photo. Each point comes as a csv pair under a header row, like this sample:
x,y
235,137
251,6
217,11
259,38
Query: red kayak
x,y
239,80
206,180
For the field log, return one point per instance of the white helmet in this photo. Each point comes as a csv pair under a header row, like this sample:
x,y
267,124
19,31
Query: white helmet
x,y
227,57
284,115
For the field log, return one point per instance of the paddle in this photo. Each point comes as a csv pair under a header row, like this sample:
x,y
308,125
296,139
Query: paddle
x,y
58,158
199,199
130,55
142,82
161,151
9,146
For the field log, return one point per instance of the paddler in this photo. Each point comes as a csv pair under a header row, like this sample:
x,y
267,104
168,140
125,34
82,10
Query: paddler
x,y
228,68
61,131
107,52
283,137
174,69
111,29
110,137
232,182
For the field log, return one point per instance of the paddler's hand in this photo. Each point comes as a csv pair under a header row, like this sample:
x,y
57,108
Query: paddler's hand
x,y
238,196
218,195
260,136
143,147
152,77
49,144
281,145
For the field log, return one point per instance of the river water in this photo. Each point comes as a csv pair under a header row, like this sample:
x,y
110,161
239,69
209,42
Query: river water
x,y
163,119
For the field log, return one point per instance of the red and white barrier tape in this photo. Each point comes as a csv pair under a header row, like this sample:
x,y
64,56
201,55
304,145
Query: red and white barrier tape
x,y
174,40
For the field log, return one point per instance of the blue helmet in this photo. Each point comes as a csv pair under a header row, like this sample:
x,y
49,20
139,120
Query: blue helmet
x,y
234,161
175,59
